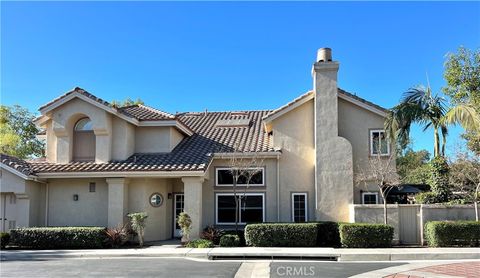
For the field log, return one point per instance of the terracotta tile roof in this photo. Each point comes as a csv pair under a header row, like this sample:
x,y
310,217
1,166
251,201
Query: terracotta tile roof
x,y
145,113
76,90
309,93
362,100
193,153
20,165
139,112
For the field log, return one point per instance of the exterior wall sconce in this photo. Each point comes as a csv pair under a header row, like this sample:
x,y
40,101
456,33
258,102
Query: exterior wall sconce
x,y
169,196
75,197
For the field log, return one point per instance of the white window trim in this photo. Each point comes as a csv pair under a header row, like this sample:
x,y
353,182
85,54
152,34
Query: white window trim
x,y
369,193
240,213
371,143
229,169
293,205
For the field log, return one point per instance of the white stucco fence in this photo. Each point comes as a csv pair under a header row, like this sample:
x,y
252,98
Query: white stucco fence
x,y
409,220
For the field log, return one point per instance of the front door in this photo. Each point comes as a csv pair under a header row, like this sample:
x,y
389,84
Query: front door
x,y
177,209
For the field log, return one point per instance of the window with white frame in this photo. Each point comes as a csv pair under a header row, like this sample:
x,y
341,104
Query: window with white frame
x,y
378,142
251,208
299,207
369,198
224,177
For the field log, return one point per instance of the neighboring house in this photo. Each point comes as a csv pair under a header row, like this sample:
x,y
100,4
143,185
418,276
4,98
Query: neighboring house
x,y
103,162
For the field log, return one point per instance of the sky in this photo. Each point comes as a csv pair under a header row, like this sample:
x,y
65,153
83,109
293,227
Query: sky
x,y
192,56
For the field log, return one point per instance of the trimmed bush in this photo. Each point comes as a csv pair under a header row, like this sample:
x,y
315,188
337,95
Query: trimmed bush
x,y
239,233
452,233
230,241
200,243
59,237
328,234
4,239
362,235
281,234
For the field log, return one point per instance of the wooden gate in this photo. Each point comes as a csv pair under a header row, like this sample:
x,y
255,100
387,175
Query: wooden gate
x,y
409,224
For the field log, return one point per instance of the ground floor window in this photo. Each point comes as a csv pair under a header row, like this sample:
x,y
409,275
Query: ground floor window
x,y
251,208
299,207
369,198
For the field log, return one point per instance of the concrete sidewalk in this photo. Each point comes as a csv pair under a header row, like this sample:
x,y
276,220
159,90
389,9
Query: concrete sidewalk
x,y
340,254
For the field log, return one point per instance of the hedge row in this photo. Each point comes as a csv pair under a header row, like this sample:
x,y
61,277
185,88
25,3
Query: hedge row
x,y
362,235
324,234
452,233
59,237
281,234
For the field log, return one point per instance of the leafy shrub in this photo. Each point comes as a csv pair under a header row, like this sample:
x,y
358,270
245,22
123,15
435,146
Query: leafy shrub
x,y
200,243
239,233
211,233
117,237
185,223
4,239
59,237
362,235
230,241
328,234
452,233
440,185
426,198
138,221
281,234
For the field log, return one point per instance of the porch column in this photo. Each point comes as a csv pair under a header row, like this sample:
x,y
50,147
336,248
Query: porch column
x,y
117,201
192,187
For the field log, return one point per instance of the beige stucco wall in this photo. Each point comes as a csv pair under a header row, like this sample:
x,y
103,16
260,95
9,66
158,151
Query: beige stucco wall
x,y
270,191
159,222
30,195
156,139
91,209
294,134
63,121
123,144
354,124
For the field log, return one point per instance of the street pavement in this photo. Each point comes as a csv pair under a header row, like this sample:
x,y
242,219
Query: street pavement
x,y
190,267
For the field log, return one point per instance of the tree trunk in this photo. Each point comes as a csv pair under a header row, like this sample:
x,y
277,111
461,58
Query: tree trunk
x,y
384,211
436,140
237,205
476,210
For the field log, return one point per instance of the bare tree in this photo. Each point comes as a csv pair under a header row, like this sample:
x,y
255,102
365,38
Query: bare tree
x,y
381,171
465,176
243,166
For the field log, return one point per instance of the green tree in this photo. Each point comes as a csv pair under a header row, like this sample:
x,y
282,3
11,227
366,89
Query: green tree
x,y
413,167
462,74
126,102
18,133
419,105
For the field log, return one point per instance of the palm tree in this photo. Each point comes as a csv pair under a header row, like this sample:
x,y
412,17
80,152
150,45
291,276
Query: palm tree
x,y
419,105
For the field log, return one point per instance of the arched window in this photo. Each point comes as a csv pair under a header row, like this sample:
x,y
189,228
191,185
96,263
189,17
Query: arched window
x,y
83,141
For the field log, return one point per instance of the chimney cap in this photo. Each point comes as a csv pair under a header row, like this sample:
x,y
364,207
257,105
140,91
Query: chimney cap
x,y
324,55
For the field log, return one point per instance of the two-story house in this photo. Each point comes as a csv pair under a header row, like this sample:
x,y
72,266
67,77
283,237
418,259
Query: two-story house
x,y
104,162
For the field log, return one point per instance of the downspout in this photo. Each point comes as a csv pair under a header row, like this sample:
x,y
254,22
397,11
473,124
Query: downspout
x,y
46,204
278,188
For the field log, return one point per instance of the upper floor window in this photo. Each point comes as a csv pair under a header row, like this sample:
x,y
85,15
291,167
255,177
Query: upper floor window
x,y
369,198
84,125
83,141
248,176
378,143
